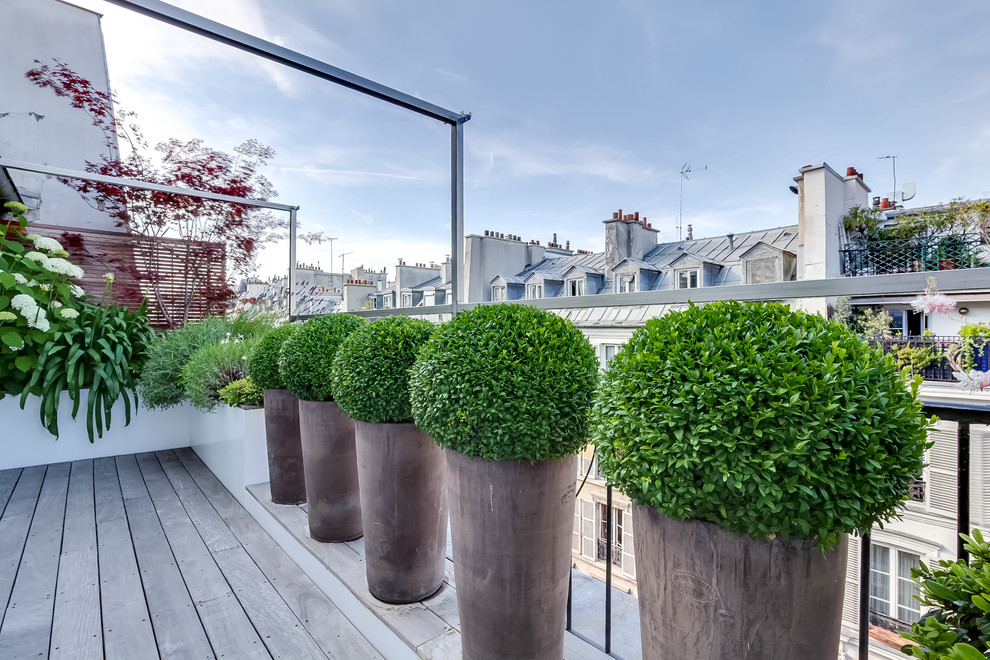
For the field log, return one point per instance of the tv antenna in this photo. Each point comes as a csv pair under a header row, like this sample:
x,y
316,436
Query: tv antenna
x,y
342,262
893,167
684,175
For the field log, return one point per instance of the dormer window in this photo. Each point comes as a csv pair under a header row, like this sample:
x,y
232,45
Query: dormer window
x,y
406,300
575,287
625,283
761,270
687,279
498,293
534,291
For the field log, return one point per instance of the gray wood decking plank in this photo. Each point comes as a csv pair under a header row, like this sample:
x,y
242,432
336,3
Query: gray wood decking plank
x,y
227,626
26,629
210,525
281,631
332,631
14,527
77,629
413,623
178,630
8,479
127,631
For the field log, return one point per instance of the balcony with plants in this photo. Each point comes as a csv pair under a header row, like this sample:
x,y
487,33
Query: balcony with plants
x,y
948,237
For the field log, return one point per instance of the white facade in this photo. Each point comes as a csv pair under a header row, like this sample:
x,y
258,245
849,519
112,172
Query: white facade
x,y
38,127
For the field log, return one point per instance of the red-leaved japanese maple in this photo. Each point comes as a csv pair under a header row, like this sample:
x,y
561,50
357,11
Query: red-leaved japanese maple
x,y
204,224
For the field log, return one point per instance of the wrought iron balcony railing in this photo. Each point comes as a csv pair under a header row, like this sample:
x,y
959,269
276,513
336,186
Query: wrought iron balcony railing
x,y
603,552
912,255
928,356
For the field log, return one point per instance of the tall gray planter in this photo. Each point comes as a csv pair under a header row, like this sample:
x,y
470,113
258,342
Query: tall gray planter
x,y
511,523
330,463
401,472
285,461
708,594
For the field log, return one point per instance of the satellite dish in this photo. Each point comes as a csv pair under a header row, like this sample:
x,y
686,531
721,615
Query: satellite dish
x,y
793,189
910,190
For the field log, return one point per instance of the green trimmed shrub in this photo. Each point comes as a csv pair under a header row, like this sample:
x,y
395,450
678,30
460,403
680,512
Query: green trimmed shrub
x,y
242,392
957,624
371,369
764,421
213,367
505,382
306,361
263,363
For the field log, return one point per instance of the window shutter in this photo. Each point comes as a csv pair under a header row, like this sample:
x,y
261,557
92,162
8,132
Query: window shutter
x,y
576,535
850,604
943,469
628,559
588,548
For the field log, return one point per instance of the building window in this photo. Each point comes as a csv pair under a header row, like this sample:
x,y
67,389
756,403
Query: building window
x,y
762,270
374,303
608,351
625,283
616,533
387,301
891,589
534,291
575,287
406,300
498,293
687,279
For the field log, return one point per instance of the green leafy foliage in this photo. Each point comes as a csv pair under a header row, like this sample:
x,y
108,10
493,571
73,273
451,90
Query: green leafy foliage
x,y
263,363
213,367
505,382
37,298
764,421
160,385
306,361
96,352
242,392
371,369
958,625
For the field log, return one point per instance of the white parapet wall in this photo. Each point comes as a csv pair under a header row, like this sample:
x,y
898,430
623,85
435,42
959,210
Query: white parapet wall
x,y
25,441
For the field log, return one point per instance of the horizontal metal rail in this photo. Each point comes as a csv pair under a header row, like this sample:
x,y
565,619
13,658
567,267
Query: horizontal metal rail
x,y
242,41
64,173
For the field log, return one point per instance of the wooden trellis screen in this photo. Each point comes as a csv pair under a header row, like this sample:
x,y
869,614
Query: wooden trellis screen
x,y
144,267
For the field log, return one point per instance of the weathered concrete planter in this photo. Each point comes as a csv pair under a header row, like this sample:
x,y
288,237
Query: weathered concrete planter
x,y
511,524
285,460
403,509
708,594
330,464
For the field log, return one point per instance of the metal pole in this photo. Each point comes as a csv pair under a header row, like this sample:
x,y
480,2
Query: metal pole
x,y
292,263
608,570
570,590
962,489
864,598
457,212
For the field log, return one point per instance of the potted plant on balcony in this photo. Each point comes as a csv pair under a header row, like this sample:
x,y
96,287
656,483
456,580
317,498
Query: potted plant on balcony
x,y
752,440
506,389
400,469
285,461
327,435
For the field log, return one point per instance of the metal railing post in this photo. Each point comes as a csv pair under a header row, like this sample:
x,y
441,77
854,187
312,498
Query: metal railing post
x,y
864,598
962,489
292,264
608,570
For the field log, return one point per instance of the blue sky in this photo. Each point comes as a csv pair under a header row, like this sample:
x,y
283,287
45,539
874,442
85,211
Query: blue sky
x,y
579,108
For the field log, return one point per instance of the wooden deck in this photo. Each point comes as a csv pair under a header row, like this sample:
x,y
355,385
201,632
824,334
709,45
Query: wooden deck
x,y
149,556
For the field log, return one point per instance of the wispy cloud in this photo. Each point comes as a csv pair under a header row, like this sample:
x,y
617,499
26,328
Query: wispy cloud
x,y
345,177
512,156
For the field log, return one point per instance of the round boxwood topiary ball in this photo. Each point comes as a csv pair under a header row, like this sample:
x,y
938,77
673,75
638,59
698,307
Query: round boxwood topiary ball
x,y
371,369
764,421
306,360
263,363
505,383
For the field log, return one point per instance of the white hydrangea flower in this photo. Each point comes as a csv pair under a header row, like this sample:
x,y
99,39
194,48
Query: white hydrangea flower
x,y
32,283
36,256
20,279
44,243
37,319
56,304
7,316
77,290
22,302
68,313
63,267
